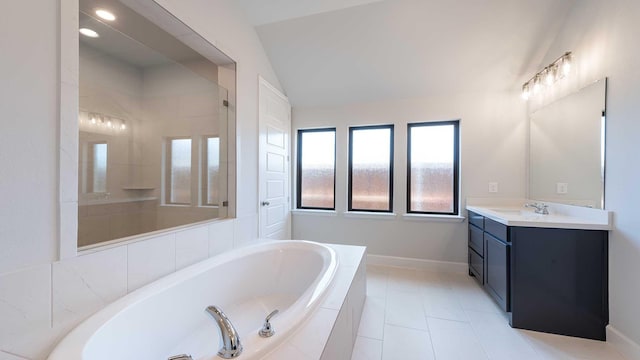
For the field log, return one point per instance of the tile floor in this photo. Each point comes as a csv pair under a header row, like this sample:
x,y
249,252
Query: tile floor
x,y
412,314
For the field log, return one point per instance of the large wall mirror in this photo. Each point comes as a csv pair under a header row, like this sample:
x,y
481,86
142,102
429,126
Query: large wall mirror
x,y
154,123
567,149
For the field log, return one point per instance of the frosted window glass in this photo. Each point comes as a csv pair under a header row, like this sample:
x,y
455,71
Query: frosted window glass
x,y
180,176
213,167
432,168
371,169
100,167
317,169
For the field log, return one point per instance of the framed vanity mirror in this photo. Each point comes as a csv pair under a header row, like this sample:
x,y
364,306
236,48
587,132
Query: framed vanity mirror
x,y
567,148
154,123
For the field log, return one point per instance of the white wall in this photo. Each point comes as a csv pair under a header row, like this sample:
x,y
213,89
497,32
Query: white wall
x,y
61,293
492,131
28,140
603,37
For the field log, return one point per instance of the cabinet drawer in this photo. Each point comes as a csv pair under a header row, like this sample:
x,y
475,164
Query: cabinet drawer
x,y
476,265
475,240
496,229
477,220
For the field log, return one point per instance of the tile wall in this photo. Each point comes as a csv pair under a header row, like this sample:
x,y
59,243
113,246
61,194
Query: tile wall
x,y
40,304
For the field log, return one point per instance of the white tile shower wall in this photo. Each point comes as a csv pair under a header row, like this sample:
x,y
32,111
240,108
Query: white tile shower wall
x,y
87,283
150,260
221,235
25,306
245,230
192,246
39,305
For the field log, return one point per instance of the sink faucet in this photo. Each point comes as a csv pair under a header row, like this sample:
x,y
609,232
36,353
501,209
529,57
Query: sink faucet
x,y
540,208
231,346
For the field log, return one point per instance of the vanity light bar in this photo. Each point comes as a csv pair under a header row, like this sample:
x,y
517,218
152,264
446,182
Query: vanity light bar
x,y
101,121
557,70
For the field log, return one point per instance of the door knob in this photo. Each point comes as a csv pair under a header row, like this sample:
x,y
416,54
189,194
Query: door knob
x,y
265,203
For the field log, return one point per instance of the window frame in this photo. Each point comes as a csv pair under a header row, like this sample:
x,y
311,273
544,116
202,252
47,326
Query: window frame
x,y
90,173
456,166
299,168
350,167
168,166
204,187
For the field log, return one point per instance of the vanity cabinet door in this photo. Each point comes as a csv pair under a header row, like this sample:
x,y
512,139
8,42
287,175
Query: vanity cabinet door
x,y
496,272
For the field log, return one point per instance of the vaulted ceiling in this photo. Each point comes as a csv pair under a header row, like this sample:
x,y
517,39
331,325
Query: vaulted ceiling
x,y
345,51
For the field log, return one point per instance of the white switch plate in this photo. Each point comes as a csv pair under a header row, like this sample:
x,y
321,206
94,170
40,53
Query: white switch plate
x,y
493,187
562,188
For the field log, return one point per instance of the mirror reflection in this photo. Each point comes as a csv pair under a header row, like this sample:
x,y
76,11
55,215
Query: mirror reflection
x,y
153,130
567,149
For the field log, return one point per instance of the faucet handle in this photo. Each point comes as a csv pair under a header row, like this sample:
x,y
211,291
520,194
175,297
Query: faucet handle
x,y
181,357
274,312
267,330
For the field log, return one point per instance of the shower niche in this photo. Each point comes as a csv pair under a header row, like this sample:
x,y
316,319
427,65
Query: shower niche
x,y
154,123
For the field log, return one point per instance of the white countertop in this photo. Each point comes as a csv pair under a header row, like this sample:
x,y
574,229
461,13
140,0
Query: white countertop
x,y
560,216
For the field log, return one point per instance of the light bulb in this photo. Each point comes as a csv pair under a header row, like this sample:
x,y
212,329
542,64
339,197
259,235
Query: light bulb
x,y
93,119
550,77
106,15
536,85
89,33
123,126
566,64
525,91
109,123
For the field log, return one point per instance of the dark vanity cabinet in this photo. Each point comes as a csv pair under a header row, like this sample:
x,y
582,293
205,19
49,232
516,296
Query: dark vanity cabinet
x,y
550,280
489,250
476,247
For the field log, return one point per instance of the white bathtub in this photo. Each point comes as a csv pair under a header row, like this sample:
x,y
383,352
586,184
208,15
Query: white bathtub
x,y
167,317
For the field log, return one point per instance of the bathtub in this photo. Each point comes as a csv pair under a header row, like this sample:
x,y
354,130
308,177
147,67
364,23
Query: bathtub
x,y
167,317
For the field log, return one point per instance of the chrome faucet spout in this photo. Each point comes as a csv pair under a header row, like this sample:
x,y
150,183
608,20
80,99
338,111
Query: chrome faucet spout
x,y
540,208
229,339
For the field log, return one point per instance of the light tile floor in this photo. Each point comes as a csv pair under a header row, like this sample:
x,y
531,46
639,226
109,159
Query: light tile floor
x,y
413,314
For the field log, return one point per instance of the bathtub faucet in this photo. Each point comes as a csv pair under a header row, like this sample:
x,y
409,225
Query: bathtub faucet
x,y
231,346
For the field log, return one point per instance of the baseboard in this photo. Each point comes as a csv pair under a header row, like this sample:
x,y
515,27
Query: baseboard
x,y
627,347
421,264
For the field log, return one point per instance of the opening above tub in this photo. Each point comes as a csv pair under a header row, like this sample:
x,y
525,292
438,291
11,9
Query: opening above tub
x,y
155,119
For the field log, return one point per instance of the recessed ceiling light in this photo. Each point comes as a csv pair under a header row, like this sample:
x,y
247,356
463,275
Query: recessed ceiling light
x,y
88,32
106,15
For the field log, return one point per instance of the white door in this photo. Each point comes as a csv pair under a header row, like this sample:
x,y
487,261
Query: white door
x,y
273,190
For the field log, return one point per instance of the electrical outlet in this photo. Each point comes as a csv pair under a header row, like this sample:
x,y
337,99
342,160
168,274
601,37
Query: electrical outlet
x,y
493,187
562,188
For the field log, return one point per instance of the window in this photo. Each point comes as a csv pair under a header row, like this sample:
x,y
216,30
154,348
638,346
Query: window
x,y
316,169
178,178
371,168
97,174
211,164
433,168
